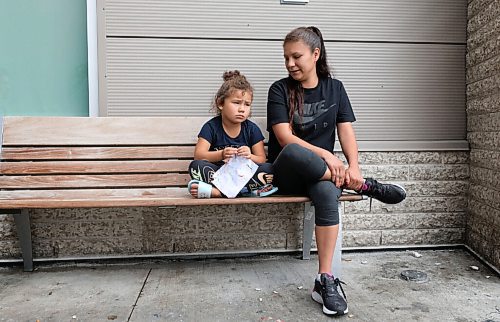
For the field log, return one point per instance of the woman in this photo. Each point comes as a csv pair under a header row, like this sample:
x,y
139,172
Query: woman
x,y
303,112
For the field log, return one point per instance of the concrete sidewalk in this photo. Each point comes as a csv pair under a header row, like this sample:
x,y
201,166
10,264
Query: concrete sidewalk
x,y
263,288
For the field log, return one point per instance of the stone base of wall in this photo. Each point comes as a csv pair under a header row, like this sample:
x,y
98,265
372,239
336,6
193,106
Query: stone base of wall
x,y
433,214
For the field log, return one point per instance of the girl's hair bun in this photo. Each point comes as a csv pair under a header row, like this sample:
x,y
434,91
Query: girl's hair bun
x,y
231,74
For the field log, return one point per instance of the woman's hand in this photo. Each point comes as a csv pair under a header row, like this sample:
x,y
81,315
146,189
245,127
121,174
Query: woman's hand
x,y
353,178
244,151
336,168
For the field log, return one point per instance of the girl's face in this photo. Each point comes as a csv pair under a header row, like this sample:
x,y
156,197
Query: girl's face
x,y
236,107
300,61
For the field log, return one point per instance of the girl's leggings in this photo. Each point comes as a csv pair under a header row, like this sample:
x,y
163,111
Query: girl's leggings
x,y
204,171
298,170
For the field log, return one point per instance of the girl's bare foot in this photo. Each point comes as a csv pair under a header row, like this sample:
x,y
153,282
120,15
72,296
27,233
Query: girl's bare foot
x,y
215,193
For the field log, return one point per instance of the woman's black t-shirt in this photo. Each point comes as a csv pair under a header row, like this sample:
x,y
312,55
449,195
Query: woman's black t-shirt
x,y
324,106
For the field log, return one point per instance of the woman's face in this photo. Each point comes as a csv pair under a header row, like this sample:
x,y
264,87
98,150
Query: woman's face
x,y
300,61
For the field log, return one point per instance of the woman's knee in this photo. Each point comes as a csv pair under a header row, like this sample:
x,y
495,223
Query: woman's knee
x,y
296,154
293,151
296,159
325,196
324,192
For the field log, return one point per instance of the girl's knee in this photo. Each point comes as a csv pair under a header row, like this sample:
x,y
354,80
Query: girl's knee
x,y
197,163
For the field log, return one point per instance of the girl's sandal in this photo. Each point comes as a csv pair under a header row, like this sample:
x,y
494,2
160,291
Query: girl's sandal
x,y
263,191
204,189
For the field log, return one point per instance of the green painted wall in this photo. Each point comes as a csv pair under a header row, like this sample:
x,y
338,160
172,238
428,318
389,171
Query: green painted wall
x,y
43,57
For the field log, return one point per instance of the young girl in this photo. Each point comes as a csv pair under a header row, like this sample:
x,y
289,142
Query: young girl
x,y
230,134
304,110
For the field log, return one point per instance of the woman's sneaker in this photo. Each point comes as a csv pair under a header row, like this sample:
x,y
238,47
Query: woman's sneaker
x,y
325,292
384,192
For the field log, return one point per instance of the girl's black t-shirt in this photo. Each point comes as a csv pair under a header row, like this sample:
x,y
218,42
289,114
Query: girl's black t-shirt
x,y
324,106
213,132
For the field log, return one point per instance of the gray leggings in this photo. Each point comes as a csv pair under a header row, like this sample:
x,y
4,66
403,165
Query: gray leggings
x,y
298,170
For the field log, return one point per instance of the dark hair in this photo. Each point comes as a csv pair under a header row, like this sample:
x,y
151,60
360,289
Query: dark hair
x,y
233,81
313,38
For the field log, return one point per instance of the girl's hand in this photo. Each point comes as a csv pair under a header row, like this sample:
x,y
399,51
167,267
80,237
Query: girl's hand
x,y
353,178
336,168
228,153
244,151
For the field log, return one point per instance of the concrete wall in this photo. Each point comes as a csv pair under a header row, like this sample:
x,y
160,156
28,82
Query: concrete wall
x,y
483,126
433,214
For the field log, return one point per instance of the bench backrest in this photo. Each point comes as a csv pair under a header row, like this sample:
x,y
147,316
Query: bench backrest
x,y
107,152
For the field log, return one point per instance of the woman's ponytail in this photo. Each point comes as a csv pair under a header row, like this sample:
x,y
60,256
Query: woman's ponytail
x,y
322,68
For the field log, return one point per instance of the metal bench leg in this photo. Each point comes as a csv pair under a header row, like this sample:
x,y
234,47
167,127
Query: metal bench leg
x,y
22,220
337,255
308,230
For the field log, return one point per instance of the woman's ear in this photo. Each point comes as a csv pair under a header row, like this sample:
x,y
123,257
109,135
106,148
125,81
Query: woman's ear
x,y
316,54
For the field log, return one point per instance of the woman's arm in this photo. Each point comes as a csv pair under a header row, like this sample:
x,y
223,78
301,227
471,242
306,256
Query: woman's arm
x,y
285,136
347,140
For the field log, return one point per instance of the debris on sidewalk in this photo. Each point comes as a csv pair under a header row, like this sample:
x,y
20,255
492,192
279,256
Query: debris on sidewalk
x,y
258,289
417,254
364,262
474,268
300,287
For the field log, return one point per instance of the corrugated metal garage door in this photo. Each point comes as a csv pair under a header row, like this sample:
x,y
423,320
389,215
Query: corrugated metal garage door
x,y
401,61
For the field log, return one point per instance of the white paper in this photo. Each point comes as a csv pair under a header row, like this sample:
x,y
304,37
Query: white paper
x,y
234,175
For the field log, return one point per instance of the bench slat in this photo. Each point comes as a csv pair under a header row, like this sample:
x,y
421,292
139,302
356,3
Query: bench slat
x,y
89,153
87,131
122,198
91,181
99,131
55,167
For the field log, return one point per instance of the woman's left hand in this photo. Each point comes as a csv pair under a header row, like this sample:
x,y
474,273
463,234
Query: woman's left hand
x,y
244,151
353,178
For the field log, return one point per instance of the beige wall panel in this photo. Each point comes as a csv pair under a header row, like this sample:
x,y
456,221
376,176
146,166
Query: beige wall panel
x,y
381,20
398,91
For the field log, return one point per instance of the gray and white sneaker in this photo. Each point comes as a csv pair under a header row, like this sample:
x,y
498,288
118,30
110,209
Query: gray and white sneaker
x,y
325,292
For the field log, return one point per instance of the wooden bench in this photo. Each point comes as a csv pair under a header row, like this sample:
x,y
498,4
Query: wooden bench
x,y
81,162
